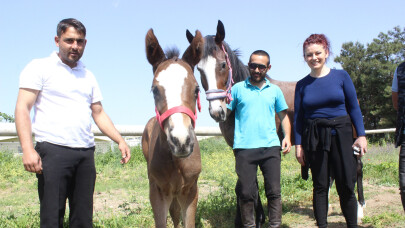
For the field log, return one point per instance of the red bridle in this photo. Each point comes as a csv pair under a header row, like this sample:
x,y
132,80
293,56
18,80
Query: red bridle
x,y
178,109
213,94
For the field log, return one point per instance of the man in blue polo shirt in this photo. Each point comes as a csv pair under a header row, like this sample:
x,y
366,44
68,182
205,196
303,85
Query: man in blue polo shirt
x,y
255,102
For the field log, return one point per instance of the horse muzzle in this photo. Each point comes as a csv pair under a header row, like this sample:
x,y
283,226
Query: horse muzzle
x,y
218,109
181,144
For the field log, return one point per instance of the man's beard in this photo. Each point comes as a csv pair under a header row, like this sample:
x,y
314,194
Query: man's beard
x,y
259,76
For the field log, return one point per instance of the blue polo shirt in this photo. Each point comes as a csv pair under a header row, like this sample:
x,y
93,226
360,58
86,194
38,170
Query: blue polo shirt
x,y
255,124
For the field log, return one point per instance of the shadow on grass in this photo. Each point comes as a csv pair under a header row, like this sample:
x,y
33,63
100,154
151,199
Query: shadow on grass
x,y
306,210
343,224
298,208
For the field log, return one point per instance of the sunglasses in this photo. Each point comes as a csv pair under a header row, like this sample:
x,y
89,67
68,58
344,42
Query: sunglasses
x,y
253,66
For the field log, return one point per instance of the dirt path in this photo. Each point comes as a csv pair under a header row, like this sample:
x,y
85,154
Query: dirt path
x,y
379,200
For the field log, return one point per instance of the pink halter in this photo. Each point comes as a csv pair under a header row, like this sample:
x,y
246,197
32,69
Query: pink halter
x,y
214,94
178,109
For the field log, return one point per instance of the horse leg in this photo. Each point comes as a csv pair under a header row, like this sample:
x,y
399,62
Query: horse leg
x,y
188,201
160,205
175,212
361,202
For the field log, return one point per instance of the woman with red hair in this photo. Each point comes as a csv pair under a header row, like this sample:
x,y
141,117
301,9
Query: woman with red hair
x,y
325,108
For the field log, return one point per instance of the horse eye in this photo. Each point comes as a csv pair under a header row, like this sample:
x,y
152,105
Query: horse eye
x,y
155,91
197,90
223,65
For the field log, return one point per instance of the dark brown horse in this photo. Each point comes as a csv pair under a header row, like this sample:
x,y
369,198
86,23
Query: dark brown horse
x,y
169,143
217,80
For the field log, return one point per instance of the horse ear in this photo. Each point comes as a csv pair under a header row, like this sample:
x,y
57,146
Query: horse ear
x,y
190,36
194,52
154,53
220,36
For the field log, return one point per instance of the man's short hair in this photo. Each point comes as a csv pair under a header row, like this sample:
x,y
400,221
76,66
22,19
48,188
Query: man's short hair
x,y
70,22
262,53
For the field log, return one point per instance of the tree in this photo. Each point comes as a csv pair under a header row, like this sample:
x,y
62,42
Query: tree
x,y
6,118
371,67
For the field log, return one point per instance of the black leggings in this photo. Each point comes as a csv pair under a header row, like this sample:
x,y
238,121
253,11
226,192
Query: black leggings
x,y
402,172
322,163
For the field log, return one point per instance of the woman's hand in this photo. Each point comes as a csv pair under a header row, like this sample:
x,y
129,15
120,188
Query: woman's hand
x,y
361,142
299,154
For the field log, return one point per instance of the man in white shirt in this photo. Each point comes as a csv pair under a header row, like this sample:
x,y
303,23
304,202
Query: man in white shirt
x,y
65,96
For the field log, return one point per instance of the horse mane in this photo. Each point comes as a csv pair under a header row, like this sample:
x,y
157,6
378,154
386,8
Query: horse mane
x,y
239,71
172,53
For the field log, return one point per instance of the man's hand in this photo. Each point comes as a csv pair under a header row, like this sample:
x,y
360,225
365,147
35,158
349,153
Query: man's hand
x,y
286,146
32,161
286,126
125,152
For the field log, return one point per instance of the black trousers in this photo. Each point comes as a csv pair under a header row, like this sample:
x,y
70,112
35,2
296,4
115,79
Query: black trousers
x,y
402,172
247,161
68,173
322,163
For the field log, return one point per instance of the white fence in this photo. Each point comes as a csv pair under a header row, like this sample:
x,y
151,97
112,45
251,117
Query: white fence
x,y
7,130
9,139
131,133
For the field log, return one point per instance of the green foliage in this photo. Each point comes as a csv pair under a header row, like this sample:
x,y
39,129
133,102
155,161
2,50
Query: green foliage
x,y
107,159
385,220
294,188
371,68
28,218
114,157
214,144
218,208
127,187
11,169
381,165
388,169
6,118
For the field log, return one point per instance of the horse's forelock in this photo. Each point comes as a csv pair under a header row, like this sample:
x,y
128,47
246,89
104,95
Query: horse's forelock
x,y
209,46
172,53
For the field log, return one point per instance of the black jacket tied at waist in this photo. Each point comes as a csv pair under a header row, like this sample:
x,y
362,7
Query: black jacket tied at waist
x,y
317,136
317,132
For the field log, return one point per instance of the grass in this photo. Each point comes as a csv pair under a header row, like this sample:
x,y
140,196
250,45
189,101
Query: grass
x,y
121,194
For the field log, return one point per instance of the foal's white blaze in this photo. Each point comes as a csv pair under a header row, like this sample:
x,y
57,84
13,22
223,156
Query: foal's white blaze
x,y
172,80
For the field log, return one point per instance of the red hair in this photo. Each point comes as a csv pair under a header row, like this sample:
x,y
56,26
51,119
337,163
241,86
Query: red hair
x,y
317,39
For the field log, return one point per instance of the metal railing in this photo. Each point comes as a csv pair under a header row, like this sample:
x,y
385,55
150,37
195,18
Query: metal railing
x,y
8,129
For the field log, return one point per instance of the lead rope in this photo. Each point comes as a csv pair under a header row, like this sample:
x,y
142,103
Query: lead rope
x,y
230,81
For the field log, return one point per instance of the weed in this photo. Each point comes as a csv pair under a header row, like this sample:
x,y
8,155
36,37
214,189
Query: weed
x,y
121,192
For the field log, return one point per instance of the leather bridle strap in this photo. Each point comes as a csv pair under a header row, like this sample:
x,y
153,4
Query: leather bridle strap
x,y
214,94
178,109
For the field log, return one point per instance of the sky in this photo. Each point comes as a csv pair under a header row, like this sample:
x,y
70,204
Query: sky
x,y
116,29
